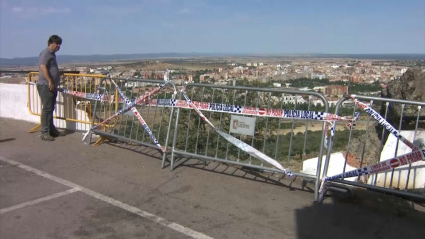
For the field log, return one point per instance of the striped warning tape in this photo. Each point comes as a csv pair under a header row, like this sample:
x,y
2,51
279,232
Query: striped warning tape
x,y
388,164
128,107
238,143
138,116
416,154
220,108
382,121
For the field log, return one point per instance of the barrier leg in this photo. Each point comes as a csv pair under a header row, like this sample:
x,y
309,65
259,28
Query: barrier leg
x,y
322,196
35,129
164,155
335,188
99,141
174,139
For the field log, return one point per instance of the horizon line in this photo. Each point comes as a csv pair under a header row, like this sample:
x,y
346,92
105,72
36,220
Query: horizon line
x,y
220,53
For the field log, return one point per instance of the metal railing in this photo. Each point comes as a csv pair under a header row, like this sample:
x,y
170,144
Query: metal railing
x,y
68,108
406,181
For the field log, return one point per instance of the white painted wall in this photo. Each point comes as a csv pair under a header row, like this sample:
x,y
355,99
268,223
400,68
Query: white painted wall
x,y
14,105
336,165
399,179
417,169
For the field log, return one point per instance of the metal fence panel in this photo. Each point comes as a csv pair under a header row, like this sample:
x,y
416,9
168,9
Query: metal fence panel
x,y
286,140
127,127
370,143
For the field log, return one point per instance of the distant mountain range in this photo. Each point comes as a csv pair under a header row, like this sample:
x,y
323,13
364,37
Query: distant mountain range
x,y
33,61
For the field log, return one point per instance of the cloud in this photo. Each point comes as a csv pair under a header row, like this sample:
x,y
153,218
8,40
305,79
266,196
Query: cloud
x,y
184,11
115,10
49,10
26,13
17,9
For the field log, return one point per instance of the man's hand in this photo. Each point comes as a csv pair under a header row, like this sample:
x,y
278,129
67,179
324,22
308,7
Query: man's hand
x,y
51,86
47,76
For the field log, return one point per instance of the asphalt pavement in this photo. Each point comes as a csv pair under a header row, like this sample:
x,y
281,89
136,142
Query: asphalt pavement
x,y
67,189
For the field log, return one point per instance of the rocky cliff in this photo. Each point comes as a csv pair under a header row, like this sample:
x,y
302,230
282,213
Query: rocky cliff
x,y
411,86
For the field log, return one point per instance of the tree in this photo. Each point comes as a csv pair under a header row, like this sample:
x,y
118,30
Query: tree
x,y
137,74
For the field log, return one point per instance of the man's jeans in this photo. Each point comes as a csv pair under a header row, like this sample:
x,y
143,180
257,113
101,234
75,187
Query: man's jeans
x,y
48,101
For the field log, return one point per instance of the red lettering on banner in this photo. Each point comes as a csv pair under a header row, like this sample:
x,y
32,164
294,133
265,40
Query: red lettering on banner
x,y
409,158
249,110
203,106
409,144
269,112
413,157
380,169
403,160
416,157
181,103
374,167
384,164
274,112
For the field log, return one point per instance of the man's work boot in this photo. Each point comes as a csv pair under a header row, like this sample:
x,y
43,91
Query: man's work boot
x,y
46,137
54,132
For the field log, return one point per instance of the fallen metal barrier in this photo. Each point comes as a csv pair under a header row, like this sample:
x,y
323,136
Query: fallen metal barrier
x,y
148,126
395,166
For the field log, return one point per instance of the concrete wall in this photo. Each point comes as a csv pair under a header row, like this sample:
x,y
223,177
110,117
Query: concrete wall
x,y
14,104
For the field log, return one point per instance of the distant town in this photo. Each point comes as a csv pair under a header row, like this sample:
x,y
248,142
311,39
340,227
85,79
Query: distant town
x,y
331,77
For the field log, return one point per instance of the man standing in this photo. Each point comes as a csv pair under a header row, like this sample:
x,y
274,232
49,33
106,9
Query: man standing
x,y
47,86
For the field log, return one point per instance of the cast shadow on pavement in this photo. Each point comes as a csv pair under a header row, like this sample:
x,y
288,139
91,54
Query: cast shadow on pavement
x,y
229,169
277,179
365,215
7,140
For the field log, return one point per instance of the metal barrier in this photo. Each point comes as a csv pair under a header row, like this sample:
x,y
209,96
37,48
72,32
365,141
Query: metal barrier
x,y
406,181
69,107
128,126
193,139
285,140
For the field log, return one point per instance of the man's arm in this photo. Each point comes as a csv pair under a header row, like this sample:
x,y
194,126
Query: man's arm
x,y
43,61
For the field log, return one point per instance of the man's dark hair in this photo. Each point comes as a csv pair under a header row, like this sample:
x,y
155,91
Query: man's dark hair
x,y
54,39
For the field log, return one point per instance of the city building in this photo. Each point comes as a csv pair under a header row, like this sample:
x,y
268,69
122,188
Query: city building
x,y
337,90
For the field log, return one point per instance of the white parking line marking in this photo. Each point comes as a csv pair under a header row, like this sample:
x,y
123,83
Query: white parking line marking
x,y
177,227
56,195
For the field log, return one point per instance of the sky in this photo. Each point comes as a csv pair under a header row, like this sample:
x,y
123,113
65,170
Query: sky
x,y
217,26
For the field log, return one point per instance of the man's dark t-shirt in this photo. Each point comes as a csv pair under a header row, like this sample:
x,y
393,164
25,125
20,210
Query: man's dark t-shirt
x,y
48,58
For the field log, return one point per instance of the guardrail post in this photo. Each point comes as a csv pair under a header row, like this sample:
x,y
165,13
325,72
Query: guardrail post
x,y
175,135
164,155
